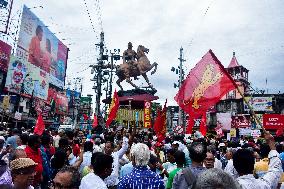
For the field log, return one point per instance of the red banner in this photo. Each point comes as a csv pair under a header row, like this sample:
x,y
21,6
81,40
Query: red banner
x,y
241,121
61,104
273,121
147,114
5,52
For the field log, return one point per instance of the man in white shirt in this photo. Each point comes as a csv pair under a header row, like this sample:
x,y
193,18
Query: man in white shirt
x,y
112,180
243,161
102,164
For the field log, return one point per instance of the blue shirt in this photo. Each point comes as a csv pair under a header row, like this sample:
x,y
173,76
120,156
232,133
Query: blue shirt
x,y
141,178
126,169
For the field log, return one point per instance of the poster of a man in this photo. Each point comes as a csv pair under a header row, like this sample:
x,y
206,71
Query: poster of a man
x,y
40,47
35,54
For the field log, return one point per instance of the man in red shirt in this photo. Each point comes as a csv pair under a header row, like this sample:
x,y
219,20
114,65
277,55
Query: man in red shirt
x,y
33,152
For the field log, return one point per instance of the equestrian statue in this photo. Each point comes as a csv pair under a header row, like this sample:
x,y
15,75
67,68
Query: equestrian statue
x,y
135,64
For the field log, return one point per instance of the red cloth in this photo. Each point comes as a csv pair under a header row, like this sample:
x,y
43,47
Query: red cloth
x,y
76,150
95,123
39,128
204,86
203,128
160,125
190,125
113,109
51,150
36,156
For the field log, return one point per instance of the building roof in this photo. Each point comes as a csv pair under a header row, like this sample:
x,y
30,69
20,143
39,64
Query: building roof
x,y
234,62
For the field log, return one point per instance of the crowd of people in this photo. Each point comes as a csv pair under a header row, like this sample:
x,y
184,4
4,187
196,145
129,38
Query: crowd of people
x,y
129,159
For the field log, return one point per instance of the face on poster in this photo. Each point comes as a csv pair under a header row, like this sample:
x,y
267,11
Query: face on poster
x,y
31,78
39,46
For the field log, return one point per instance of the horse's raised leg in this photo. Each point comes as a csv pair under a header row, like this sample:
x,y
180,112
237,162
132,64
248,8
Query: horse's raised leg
x,y
148,82
155,64
131,83
118,83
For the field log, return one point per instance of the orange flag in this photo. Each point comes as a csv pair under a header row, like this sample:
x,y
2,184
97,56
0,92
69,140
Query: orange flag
x,y
39,128
113,109
204,86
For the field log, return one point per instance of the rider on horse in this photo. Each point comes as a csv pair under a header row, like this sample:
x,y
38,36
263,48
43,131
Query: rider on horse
x,y
130,57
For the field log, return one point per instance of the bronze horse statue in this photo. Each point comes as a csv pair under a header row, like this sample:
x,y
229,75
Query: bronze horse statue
x,y
140,67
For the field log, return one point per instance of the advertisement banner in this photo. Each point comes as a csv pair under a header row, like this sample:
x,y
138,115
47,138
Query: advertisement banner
x,y
26,79
259,104
224,120
233,132
147,114
5,52
72,95
273,121
255,133
39,46
241,121
245,132
61,104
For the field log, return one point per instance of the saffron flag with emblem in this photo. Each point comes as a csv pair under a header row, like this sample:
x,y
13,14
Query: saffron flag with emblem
x,y
113,109
204,86
160,125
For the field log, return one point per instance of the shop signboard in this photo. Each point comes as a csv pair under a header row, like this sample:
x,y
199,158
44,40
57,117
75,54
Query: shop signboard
x,y
263,104
273,121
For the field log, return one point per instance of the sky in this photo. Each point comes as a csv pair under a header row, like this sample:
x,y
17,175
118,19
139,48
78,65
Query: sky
x,y
251,28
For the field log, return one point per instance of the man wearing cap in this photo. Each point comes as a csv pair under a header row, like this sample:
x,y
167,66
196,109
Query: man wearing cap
x,y
23,172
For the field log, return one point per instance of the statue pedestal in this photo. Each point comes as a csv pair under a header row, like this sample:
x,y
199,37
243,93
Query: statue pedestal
x,y
136,97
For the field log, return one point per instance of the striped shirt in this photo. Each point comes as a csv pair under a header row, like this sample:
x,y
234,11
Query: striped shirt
x,y
141,178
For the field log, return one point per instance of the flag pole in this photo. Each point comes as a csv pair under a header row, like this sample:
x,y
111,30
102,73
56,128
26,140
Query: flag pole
x,y
251,109
237,87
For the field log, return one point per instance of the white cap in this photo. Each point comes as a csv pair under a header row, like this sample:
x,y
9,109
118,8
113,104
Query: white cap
x,y
222,145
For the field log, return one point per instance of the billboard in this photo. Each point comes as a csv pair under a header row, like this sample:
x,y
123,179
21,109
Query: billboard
x,y
263,104
5,52
72,95
57,101
224,120
39,46
273,121
26,79
241,121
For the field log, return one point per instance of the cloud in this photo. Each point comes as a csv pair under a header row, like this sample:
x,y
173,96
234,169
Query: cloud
x,y
253,29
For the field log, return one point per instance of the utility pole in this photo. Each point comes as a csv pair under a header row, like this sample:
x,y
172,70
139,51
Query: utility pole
x,y
99,75
181,78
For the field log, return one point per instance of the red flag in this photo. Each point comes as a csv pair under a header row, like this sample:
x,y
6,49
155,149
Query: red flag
x,y
204,86
203,128
85,117
113,109
39,128
190,125
95,122
160,125
279,132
